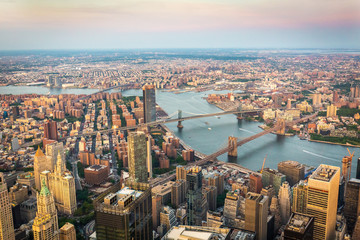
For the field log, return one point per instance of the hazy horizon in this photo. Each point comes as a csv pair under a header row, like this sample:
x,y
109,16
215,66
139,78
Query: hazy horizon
x,y
182,24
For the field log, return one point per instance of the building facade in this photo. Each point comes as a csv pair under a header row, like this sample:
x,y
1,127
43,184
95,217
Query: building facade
x,y
137,149
149,103
6,219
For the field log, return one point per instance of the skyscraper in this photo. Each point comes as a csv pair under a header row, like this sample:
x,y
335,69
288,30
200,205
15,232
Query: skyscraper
x,y
352,203
45,225
149,157
331,111
272,177
300,193
124,213
149,103
322,198
6,220
50,130
138,170
196,202
256,214
284,201
62,185
40,165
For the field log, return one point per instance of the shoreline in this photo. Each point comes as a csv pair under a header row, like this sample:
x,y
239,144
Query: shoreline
x,y
333,143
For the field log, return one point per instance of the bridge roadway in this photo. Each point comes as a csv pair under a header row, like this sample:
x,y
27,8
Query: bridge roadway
x,y
149,124
103,90
212,157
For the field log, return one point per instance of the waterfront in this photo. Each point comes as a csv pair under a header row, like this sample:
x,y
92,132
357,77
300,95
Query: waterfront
x,y
209,134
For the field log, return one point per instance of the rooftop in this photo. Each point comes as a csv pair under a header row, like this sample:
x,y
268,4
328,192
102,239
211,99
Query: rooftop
x,y
298,222
324,173
196,232
95,167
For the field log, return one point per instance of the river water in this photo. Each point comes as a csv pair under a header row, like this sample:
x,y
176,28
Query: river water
x,y
207,135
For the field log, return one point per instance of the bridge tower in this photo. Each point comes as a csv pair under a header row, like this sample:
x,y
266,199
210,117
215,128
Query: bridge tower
x,y
232,143
180,126
239,115
281,123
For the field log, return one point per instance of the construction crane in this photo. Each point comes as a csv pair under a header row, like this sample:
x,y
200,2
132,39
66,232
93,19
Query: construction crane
x,y
263,164
346,165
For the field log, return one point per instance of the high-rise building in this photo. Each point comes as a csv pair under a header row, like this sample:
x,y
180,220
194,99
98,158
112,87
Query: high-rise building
x,y
300,194
62,185
316,97
323,192
50,130
256,214
156,202
149,103
178,192
167,218
68,232
331,111
217,180
210,192
6,219
15,112
124,213
352,203
232,209
284,201
196,202
45,225
272,177
299,227
149,156
138,170
335,96
293,171
40,164
269,192
274,210
181,172
255,183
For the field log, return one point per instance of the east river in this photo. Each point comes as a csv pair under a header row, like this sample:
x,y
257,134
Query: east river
x,y
207,135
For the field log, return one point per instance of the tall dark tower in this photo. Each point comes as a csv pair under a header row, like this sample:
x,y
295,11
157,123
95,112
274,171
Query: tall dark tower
x,y
149,103
50,130
196,202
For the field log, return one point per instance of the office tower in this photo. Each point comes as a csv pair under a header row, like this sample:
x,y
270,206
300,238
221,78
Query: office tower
x,y
356,231
323,192
316,99
331,111
288,105
255,183
167,218
214,219
137,157
217,180
274,211
293,171
156,202
40,164
300,196
164,191
269,192
6,220
15,144
346,167
299,227
335,96
68,232
352,203
50,130
178,192
210,193
51,151
256,214
124,213
28,210
273,177
358,169
45,225
196,202
149,157
149,103
284,201
62,185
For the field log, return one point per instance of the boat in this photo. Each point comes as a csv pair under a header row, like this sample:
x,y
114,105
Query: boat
x,y
209,129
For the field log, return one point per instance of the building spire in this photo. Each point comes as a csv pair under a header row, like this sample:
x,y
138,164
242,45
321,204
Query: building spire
x,y
59,164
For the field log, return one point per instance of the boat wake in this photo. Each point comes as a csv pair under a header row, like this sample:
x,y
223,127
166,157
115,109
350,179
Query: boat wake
x,y
320,156
245,130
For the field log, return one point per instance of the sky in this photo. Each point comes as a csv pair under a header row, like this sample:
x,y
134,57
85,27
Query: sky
x,y
123,24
